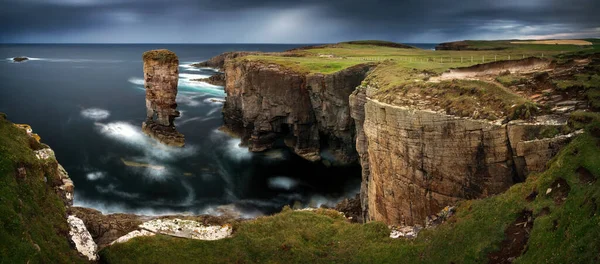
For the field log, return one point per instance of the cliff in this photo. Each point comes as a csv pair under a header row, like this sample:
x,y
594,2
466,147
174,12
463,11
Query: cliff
x,y
421,161
218,62
425,139
161,74
35,194
268,104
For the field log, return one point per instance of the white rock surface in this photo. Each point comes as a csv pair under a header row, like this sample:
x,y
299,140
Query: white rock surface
x,y
44,153
132,234
81,238
405,231
187,229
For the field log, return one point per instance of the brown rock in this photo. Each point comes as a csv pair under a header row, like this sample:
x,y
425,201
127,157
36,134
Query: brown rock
x,y
267,104
161,74
420,161
217,79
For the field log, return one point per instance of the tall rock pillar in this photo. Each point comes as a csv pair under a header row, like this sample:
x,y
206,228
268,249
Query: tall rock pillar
x,y
161,73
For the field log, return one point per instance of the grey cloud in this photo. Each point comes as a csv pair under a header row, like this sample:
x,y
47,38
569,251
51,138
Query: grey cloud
x,y
308,21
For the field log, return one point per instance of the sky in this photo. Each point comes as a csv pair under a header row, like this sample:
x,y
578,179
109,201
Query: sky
x,y
297,21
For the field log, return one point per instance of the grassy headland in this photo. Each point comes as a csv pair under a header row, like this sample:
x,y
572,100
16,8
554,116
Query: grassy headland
x,y
33,218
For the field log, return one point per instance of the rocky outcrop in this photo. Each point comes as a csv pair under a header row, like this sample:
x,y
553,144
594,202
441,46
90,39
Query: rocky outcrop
x,y
20,59
82,239
161,74
421,161
217,79
218,62
105,229
270,105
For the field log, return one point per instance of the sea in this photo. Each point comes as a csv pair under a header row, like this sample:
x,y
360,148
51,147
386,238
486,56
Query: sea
x,y
87,101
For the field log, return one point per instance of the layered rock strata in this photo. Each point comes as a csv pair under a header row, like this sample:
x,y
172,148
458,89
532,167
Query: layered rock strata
x,y
268,104
414,161
420,161
161,74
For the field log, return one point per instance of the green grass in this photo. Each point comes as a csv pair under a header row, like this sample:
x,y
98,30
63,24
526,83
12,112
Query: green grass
x,y
510,80
476,230
348,54
588,82
466,98
31,213
161,55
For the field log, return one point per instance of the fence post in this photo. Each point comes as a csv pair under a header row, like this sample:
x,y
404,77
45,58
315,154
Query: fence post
x,y
471,58
542,55
508,57
460,59
523,56
495,57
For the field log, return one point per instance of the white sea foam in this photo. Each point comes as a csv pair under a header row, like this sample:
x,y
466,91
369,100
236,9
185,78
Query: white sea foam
x,y
133,136
96,175
212,111
187,99
214,101
191,76
283,183
198,119
235,151
136,81
111,208
95,113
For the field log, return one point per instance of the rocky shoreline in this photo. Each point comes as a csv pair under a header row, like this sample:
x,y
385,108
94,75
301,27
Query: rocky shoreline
x,y
439,158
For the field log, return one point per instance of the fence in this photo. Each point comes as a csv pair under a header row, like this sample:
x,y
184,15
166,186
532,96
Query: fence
x,y
451,59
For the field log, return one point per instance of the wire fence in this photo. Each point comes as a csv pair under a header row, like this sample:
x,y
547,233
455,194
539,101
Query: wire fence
x,y
452,59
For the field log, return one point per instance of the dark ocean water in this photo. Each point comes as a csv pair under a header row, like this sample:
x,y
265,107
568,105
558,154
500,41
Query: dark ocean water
x,y
87,103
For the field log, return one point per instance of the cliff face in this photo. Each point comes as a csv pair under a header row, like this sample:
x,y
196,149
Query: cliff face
x,y
415,161
268,105
420,161
161,74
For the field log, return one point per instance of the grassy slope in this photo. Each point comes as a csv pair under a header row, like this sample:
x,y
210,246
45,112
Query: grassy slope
x,y
31,213
476,230
347,55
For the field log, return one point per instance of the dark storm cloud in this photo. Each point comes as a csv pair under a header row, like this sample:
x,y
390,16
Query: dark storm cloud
x,y
292,21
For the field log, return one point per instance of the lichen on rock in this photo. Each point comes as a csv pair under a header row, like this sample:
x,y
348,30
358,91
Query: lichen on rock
x,y
81,238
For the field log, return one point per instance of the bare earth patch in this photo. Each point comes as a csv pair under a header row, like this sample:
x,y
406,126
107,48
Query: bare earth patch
x,y
515,243
555,42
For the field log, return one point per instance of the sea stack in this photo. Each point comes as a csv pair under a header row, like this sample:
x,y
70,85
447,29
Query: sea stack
x,y
161,72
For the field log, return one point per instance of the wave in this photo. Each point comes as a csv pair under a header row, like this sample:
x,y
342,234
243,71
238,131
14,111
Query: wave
x,y
95,113
97,175
282,183
212,111
190,76
214,101
136,81
133,136
199,119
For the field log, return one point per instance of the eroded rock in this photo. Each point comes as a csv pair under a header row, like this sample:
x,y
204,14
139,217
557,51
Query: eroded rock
x,y
268,104
188,229
133,234
161,74
81,238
